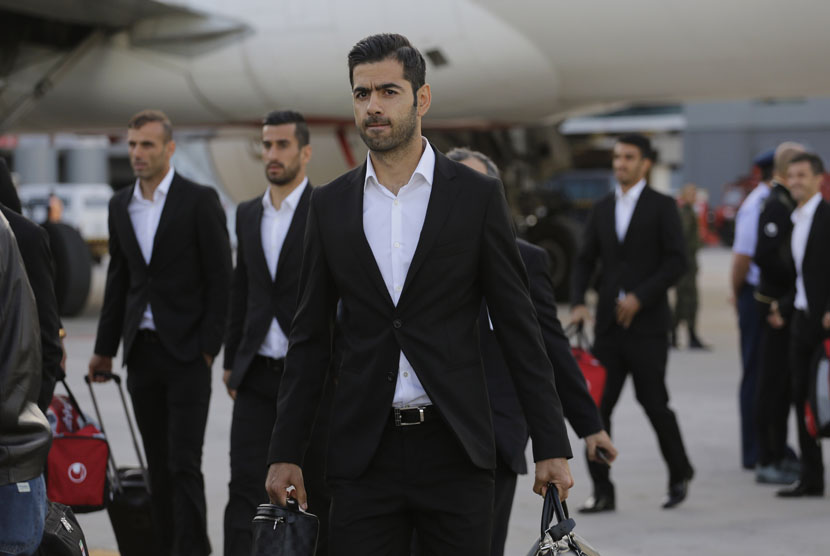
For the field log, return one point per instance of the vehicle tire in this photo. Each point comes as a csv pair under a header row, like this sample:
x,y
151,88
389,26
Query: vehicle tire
x,y
73,267
559,241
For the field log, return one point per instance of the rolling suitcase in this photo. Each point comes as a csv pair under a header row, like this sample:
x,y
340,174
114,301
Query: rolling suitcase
x,y
129,505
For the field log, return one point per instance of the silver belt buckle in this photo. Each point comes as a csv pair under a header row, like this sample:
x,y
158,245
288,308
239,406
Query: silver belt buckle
x,y
398,422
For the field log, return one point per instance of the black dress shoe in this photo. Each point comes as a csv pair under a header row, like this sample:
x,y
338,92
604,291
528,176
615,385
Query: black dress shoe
x,y
799,489
678,491
598,503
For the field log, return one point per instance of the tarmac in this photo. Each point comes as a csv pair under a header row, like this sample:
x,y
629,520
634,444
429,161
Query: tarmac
x,y
726,513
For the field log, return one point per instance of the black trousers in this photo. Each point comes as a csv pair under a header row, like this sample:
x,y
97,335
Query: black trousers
x,y
644,358
420,480
773,398
254,413
749,323
170,400
806,338
505,490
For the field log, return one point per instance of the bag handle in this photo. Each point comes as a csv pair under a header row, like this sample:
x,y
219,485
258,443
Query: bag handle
x,y
577,330
551,508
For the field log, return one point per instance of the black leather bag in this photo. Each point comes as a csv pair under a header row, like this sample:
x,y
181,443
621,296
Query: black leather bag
x,y
284,531
62,535
559,538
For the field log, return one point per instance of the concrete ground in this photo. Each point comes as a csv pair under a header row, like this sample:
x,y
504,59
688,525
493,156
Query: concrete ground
x,y
727,512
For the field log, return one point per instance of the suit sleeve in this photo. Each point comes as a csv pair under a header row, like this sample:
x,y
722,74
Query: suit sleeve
x,y
578,406
586,260
309,350
41,271
238,299
504,282
673,261
111,321
215,250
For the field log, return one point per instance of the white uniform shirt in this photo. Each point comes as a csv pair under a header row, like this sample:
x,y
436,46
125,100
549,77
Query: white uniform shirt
x,y
274,228
802,222
625,205
746,229
145,216
392,225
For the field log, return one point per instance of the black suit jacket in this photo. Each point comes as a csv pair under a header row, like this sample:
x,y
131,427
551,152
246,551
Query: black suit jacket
x,y
508,419
466,250
815,269
186,283
651,258
256,298
33,243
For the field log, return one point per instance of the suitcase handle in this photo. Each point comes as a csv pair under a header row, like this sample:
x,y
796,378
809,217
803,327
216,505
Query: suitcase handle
x,y
577,331
117,378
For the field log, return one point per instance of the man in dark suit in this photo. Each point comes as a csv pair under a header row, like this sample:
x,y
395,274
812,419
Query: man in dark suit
x,y
635,234
167,296
509,423
33,243
808,306
269,231
410,242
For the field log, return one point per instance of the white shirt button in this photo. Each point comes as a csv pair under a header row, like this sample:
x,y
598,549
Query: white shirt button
x,y
395,202
405,374
397,244
398,288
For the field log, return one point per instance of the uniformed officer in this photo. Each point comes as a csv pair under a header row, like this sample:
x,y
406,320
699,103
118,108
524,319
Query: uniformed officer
x,y
686,302
777,279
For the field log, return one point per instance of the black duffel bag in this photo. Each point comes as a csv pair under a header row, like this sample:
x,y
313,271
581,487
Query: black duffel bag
x,y
62,535
559,538
284,531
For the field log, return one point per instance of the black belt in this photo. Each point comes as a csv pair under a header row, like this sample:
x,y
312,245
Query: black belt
x,y
412,416
270,362
148,335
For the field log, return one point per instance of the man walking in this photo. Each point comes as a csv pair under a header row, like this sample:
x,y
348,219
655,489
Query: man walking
x,y
635,234
167,295
410,242
269,231
508,419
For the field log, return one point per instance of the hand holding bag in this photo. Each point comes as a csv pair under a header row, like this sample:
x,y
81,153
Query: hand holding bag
x,y
559,538
284,531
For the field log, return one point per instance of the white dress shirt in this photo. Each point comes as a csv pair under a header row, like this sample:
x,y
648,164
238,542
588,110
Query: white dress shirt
x,y
275,224
625,205
392,225
802,222
746,229
145,216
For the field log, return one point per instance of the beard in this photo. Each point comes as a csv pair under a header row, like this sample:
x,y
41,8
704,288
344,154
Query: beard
x,y
288,174
401,132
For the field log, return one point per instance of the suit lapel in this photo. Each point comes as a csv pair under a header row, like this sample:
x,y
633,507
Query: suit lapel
x,y
643,199
125,228
815,228
168,214
353,229
293,239
444,191
255,238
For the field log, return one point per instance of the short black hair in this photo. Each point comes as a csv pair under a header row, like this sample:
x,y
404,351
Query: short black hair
x,y
281,117
641,142
815,162
766,172
377,48
151,115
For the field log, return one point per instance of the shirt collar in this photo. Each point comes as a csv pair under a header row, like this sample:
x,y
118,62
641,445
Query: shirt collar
x,y
633,193
426,166
292,200
808,209
162,189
